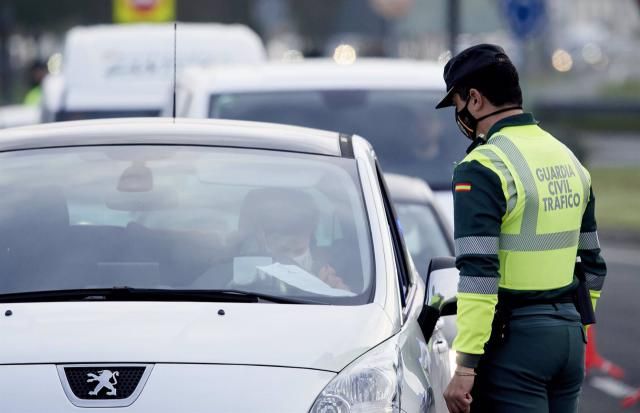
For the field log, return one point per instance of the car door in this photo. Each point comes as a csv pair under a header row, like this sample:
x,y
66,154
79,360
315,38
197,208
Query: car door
x,y
424,360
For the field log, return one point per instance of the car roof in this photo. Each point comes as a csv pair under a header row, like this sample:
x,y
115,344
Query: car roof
x,y
168,131
316,74
409,189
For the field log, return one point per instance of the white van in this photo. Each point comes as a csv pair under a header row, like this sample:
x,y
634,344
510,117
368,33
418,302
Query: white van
x,y
127,70
18,115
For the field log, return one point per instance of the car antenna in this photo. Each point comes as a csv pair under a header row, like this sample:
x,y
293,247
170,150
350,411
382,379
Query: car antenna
x,y
175,65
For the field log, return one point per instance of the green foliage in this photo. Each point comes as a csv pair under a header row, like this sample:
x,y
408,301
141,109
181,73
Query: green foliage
x,y
40,15
617,192
629,89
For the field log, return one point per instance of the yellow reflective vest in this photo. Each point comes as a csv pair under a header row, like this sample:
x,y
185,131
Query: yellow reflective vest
x,y
520,203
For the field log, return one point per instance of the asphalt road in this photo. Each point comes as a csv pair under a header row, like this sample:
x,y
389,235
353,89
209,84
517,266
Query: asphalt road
x,y
618,332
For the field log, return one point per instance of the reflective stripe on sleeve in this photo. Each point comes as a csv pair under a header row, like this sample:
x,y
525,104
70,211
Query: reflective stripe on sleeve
x,y
588,241
477,245
595,282
478,285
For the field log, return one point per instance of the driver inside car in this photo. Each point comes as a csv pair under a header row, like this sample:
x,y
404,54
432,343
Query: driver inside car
x,y
287,224
279,223
291,244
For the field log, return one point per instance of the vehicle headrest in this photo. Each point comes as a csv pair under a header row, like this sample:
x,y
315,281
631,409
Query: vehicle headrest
x,y
277,207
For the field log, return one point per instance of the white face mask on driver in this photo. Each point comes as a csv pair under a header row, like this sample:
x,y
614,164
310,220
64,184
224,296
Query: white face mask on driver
x,y
305,260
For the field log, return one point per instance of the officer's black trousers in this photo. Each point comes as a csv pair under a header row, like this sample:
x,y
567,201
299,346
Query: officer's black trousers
x,y
538,369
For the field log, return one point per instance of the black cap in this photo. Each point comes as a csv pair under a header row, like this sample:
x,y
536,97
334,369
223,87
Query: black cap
x,y
467,62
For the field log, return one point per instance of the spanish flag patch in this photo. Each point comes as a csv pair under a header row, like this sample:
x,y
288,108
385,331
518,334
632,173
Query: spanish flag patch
x,y
463,187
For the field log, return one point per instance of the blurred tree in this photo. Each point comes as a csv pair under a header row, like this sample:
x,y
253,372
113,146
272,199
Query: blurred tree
x,y
58,15
221,11
45,15
6,23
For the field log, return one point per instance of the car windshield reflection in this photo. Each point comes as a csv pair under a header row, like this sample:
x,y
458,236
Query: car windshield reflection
x,y
184,218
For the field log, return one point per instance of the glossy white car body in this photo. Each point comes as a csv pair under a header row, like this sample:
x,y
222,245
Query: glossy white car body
x,y
256,357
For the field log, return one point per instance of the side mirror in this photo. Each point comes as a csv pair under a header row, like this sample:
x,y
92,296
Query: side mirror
x,y
440,298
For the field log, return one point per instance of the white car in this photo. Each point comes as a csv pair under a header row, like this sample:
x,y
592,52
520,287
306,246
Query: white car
x,y
209,266
391,102
128,70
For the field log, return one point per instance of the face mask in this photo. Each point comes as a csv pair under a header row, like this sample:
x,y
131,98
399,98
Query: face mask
x,y
466,122
304,261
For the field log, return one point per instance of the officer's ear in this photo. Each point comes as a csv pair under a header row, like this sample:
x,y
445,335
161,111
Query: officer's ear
x,y
476,100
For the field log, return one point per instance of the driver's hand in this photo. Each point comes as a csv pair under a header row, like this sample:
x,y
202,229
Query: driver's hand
x,y
328,274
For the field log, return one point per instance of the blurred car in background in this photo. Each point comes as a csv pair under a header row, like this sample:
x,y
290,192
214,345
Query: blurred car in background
x,y
18,115
425,229
424,226
160,263
390,102
127,70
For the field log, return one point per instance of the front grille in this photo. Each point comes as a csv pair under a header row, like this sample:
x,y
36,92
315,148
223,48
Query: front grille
x,y
104,382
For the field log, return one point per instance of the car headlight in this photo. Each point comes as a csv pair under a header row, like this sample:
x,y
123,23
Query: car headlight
x,y
370,384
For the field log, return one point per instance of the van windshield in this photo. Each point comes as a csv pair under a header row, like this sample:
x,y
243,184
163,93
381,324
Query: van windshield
x,y
184,218
409,136
105,114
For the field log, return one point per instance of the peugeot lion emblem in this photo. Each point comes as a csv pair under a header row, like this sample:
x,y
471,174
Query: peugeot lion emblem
x,y
106,385
104,379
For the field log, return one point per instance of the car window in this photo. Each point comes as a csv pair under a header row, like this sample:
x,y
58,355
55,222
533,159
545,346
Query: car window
x,y
399,249
409,136
184,218
423,234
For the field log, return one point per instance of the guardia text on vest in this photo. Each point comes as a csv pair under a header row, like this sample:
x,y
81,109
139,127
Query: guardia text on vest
x,y
557,180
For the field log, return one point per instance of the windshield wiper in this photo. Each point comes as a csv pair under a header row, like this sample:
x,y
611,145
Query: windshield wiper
x,y
148,294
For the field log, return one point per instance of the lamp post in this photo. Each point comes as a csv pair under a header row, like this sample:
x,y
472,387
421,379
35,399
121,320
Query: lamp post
x,y
6,23
453,26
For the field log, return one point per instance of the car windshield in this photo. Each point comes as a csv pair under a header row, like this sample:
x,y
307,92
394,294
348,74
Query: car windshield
x,y
188,218
423,233
409,136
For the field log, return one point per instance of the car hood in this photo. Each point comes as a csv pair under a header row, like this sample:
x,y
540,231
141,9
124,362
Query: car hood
x,y
321,337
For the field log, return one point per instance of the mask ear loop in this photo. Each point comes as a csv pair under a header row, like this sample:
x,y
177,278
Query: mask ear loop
x,y
480,139
499,111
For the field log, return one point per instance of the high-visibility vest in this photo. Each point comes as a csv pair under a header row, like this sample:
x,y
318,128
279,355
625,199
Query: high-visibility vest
x,y
546,190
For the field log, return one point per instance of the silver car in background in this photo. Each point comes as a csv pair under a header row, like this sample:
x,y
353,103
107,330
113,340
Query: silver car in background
x,y
153,265
423,224
426,231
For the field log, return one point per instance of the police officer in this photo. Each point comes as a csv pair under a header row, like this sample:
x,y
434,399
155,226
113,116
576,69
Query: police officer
x,y
524,211
37,72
